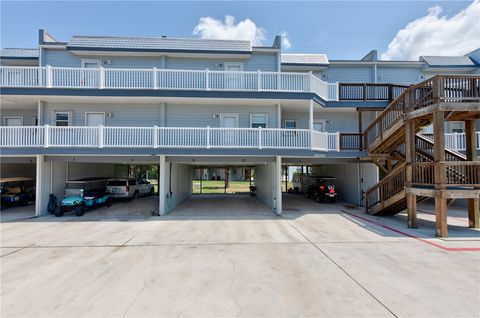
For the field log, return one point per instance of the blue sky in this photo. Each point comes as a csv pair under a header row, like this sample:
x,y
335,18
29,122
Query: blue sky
x,y
343,30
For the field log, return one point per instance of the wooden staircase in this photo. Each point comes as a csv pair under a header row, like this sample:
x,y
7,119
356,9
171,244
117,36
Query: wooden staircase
x,y
414,162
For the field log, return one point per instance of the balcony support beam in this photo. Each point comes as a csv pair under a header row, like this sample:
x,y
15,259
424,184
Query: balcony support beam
x,y
310,115
162,186
410,160
440,172
471,154
278,185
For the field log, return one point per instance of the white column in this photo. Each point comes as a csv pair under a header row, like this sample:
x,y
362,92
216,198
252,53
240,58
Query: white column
x,y
278,185
162,186
310,116
40,113
39,191
279,116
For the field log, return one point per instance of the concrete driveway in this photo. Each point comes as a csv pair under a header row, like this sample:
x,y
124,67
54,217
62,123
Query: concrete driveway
x,y
223,257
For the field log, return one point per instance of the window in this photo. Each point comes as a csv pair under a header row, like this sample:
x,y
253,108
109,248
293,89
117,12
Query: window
x,y
258,120
13,121
320,125
290,124
62,118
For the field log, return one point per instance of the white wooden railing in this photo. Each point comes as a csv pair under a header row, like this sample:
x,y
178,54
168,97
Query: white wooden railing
x,y
166,137
456,141
115,78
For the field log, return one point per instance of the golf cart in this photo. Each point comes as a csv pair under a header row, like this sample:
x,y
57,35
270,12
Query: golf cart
x,y
17,191
83,194
325,190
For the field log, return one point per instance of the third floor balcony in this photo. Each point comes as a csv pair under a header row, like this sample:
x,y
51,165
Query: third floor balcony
x,y
166,79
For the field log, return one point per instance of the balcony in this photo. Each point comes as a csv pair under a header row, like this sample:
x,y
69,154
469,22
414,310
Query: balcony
x,y
166,137
166,79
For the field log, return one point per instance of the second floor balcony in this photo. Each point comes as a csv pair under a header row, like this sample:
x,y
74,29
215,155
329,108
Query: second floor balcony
x,y
166,79
168,138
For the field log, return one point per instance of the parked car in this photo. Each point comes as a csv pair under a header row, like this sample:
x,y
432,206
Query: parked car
x,y
129,188
16,191
83,194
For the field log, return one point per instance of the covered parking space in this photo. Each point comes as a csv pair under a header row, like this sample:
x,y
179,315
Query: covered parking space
x,y
222,184
351,177
59,174
18,187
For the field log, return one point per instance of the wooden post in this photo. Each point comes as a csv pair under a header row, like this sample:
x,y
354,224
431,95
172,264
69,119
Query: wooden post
x,y
412,210
440,172
471,154
410,160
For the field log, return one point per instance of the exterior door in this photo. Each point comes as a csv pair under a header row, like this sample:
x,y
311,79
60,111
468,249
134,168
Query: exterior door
x,y
228,137
13,121
229,120
94,119
233,80
90,78
320,125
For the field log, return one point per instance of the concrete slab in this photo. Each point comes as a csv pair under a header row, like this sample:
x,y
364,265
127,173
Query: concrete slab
x,y
17,213
318,260
412,280
219,280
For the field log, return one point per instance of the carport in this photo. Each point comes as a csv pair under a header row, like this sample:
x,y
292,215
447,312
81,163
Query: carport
x,y
18,168
353,177
214,179
55,171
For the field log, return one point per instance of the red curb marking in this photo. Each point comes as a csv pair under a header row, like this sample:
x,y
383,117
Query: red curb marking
x,y
450,249
431,213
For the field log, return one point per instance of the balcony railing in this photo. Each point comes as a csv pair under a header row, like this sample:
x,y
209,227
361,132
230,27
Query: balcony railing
x,y
166,79
370,91
166,137
456,141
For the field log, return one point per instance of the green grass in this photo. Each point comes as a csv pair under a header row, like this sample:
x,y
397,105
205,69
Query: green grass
x,y
217,187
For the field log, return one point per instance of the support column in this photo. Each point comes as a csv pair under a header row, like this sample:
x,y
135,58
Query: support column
x,y
410,160
279,116
278,185
40,113
310,116
440,172
39,189
162,186
471,154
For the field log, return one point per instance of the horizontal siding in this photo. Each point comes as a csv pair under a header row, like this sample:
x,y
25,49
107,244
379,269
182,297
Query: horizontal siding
x,y
148,115
340,121
404,75
29,115
203,115
347,74
258,61
143,115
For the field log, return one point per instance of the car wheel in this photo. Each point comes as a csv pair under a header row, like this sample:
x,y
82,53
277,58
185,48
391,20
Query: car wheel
x,y
79,211
58,211
332,200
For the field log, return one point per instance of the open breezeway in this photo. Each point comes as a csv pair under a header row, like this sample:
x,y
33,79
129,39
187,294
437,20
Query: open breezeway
x,y
315,260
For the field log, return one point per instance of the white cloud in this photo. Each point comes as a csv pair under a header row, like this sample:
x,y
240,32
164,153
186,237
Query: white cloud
x,y
286,44
434,34
211,28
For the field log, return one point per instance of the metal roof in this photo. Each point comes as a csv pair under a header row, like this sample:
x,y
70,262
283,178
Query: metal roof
x,y
447,60
305,59
19,53
158,44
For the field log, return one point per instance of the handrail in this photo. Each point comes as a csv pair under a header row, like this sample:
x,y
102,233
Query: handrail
x,y
166,137
440,88
370,91
162,79
390,185
458,173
